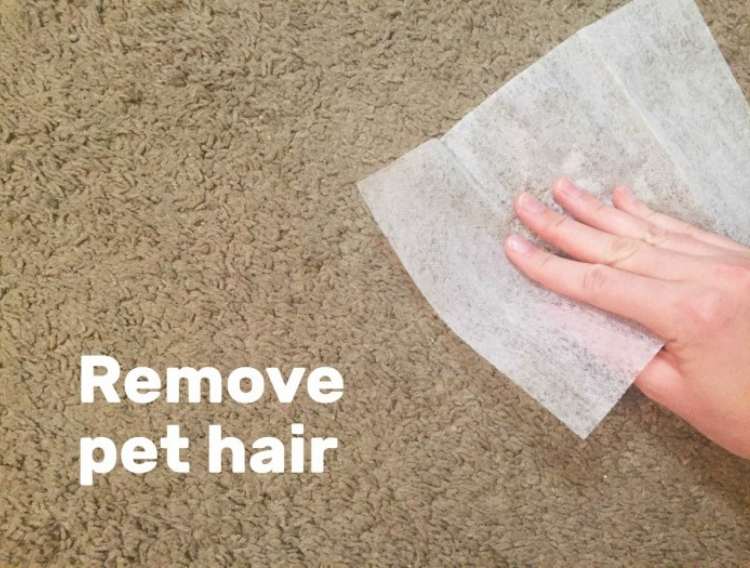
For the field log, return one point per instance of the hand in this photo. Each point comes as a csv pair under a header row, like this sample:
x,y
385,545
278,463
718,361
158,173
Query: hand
x,y
687,286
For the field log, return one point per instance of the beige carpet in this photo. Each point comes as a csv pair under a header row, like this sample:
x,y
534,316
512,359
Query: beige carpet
x,y
177,188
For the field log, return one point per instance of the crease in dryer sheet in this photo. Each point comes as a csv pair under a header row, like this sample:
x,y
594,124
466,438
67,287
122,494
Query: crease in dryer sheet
x,y
691,67
499,208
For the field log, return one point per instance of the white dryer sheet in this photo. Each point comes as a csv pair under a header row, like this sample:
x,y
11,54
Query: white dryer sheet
x,y
642,98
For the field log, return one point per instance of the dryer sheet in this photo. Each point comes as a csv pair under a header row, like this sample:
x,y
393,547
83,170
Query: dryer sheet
x,y
641,98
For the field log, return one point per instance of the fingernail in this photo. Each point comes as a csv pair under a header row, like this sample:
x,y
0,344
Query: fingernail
x,y
568,188
519,244
530,203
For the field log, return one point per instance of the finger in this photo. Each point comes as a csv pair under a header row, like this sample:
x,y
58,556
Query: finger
x,y
590,210
586,243
648,301
624,200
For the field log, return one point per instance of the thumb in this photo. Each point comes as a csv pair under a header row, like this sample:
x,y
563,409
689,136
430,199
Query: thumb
x,y
663,383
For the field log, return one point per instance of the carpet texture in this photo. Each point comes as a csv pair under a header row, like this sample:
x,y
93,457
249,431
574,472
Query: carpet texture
x,y
177,188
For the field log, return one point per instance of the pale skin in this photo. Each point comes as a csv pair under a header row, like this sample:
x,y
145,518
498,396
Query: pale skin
x,y
686,285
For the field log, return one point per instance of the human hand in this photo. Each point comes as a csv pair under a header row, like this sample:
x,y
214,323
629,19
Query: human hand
x,y
687,286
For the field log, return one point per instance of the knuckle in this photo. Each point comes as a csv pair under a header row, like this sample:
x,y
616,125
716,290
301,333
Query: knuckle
x,y
595,279
621,249
542,259
556,222
708,309
554,228
736,276
656,235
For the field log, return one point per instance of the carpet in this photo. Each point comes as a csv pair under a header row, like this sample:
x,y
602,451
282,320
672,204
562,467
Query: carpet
x,y
177,188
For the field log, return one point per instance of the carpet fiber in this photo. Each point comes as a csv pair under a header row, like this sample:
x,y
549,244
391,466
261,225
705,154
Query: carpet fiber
x,y
177,188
